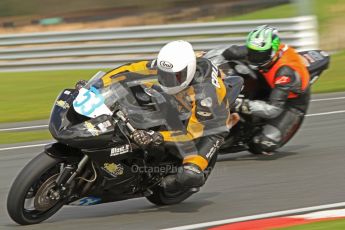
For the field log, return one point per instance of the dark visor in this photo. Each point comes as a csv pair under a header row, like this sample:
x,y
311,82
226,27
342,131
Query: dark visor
x,y
256,57
169,79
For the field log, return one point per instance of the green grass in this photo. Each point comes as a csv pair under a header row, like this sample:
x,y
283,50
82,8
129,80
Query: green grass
x,y
333,79
330,15
29,96
282,11
323,225
17,137
324,10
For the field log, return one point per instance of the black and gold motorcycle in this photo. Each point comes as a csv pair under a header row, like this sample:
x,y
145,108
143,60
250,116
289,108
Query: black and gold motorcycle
x,y
94,160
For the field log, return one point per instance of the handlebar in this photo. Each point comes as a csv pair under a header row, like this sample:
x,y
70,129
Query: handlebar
x,y
122,116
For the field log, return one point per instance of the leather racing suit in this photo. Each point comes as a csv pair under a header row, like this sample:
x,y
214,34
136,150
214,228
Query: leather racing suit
x,y
206,103
288,79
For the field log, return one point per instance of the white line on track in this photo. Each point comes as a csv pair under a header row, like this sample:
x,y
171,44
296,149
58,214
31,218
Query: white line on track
x,y
325,113
44,126
23,146
24,127
259,216
328,99
31,146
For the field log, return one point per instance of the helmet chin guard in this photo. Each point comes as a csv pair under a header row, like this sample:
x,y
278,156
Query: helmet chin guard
x,y
176,63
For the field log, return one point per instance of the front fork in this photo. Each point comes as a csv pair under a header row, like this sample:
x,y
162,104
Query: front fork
x,y
66,176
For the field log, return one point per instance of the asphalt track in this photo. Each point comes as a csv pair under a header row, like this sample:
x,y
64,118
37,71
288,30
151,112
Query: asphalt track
x,y
308,171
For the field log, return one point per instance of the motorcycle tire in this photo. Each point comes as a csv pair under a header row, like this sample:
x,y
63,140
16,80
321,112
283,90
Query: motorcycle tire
x,y
39,168
252,148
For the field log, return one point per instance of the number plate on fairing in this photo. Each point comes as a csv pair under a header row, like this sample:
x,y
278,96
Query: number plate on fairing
x,y
90,103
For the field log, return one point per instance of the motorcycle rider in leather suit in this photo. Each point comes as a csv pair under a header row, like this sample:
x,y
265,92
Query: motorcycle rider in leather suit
x,y
197,86
287,77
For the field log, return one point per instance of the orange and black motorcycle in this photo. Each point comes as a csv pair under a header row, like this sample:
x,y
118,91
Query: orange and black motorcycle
x,y
255,87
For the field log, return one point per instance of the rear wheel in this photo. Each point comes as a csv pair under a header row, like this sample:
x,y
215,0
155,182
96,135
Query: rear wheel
x,y
254,150
30,199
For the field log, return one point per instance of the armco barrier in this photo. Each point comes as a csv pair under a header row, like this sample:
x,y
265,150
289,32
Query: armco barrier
x,y
108,48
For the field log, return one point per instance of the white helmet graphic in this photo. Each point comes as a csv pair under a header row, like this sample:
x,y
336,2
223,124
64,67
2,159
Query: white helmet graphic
x,y
176,66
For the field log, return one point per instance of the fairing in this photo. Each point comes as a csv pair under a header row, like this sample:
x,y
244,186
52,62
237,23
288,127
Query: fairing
x,y
72,123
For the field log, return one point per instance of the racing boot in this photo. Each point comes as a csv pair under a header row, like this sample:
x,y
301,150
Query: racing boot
x,y
187,176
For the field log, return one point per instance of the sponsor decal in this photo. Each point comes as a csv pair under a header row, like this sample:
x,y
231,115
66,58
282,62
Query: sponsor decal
x,y
282,80
166,64
214,148
63,104
91,128
113,169
119,150
104,126
86,201
214,76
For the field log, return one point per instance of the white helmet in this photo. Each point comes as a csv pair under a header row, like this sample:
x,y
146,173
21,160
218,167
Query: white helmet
x,y
176,66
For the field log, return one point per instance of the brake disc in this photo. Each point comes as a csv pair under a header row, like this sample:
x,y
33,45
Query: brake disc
x,y
46,197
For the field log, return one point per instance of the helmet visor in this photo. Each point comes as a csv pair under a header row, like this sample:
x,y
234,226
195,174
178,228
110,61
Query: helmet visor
x,y
259,58
171,79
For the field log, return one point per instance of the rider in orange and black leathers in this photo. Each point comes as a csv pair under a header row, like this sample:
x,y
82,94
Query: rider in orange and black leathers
x,y
286,74
205,100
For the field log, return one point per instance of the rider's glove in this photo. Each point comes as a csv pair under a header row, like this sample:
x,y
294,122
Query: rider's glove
x,y
145,138
80,84
157,138
242,106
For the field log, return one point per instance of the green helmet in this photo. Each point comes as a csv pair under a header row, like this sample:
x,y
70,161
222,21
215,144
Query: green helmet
x,y
262,44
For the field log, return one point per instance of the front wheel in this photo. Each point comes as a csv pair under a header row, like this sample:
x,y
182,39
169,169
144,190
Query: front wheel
x,y
29,200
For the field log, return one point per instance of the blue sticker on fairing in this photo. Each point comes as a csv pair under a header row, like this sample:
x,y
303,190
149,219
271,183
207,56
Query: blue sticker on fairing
x,y
86,201
94,106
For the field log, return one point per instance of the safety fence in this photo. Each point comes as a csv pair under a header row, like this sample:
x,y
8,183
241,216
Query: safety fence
x,y
108,48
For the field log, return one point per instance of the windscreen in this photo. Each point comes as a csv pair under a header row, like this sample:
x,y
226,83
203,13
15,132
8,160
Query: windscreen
x,y
142,100
132,92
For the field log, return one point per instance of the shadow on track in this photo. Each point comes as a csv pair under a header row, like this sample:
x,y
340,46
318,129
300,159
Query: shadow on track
x,y
246,156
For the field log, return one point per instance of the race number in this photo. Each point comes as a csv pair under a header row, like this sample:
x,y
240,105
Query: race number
x,y
90,103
